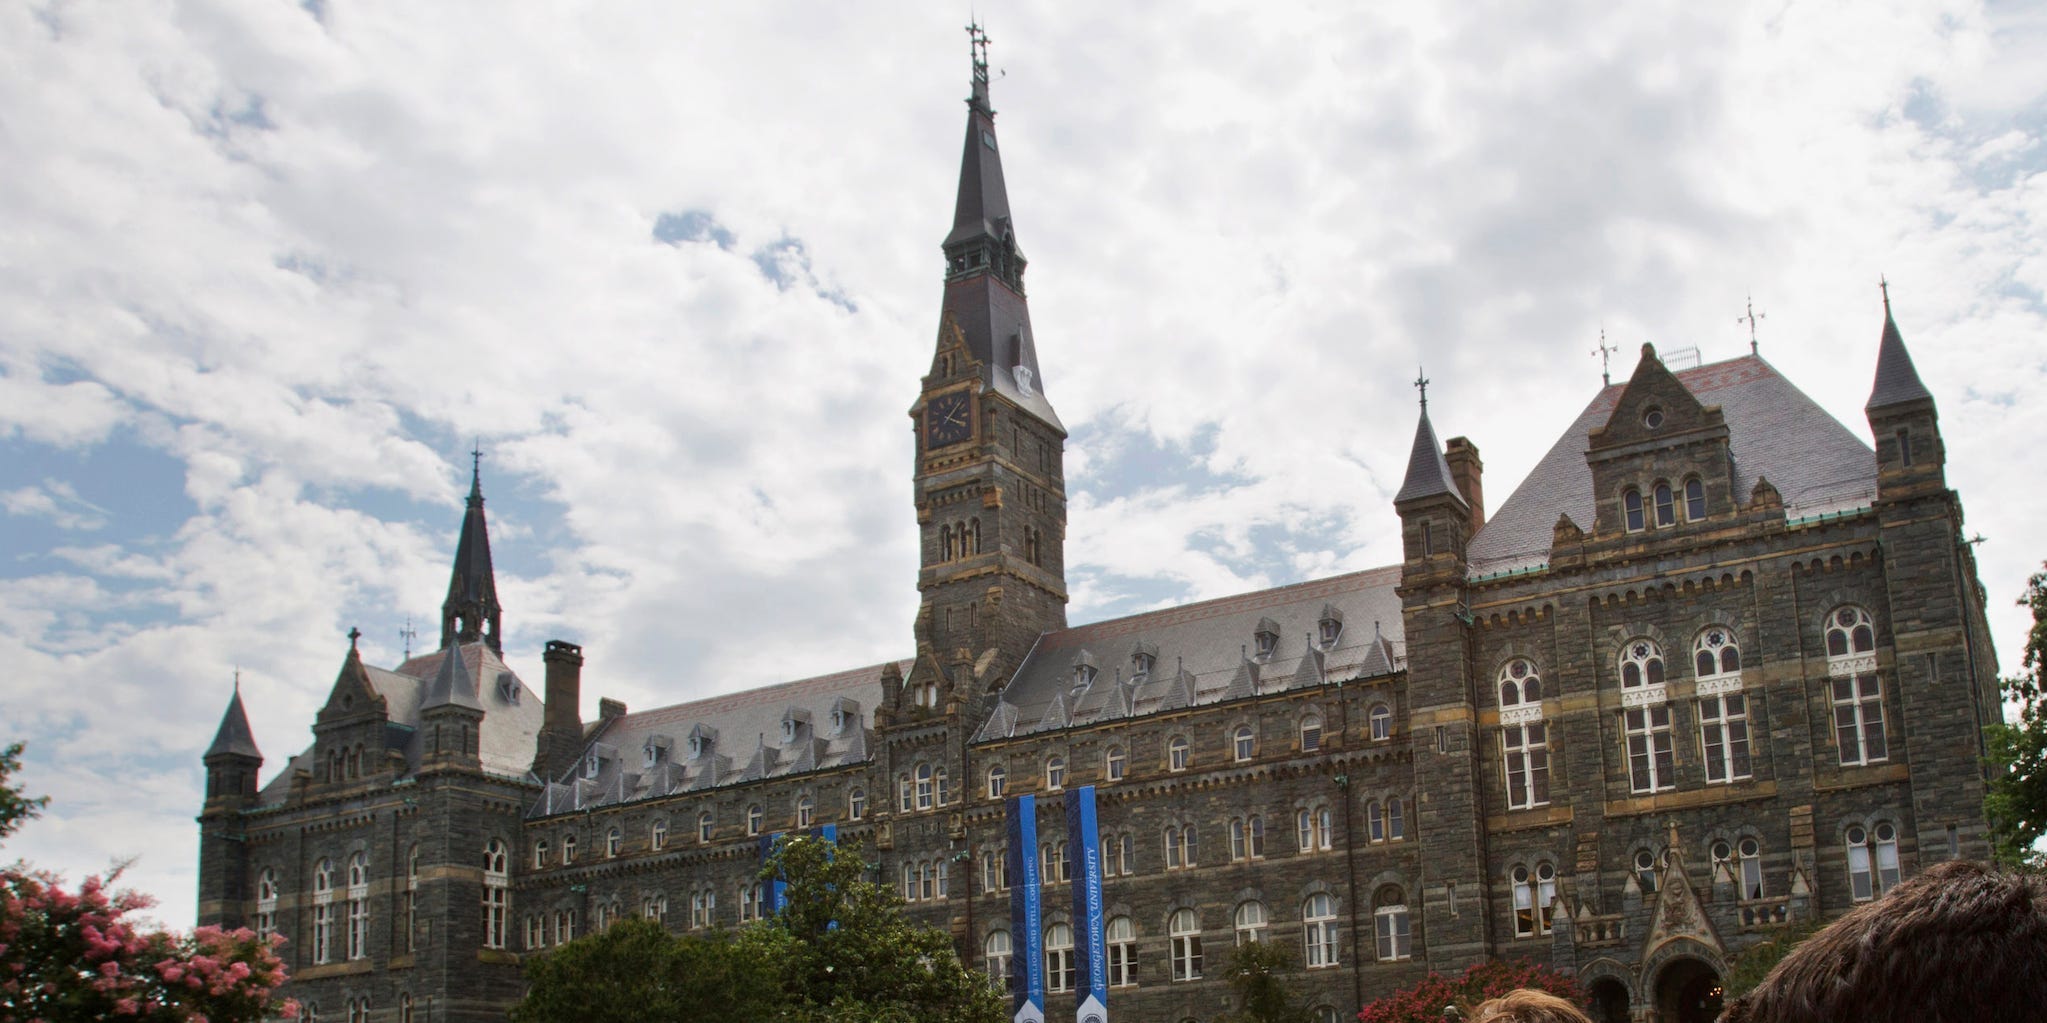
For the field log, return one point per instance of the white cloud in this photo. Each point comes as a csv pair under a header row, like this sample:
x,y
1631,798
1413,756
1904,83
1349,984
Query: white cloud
x,y
308,259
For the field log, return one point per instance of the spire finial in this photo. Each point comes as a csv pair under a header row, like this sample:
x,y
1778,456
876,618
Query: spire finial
x,y
238,680
1753,316
353,635
1605,352
978,44
1884,286
408,634
1421,383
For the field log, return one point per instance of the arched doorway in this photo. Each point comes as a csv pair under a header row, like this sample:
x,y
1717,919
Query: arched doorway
x,y
1609,1001
1688,990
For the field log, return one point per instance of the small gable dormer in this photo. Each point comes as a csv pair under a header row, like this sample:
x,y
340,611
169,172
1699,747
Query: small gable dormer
x,y
703,741
1084,671
1329,628
1661,460
656,751
845,718
1265,640
795,725
1143,658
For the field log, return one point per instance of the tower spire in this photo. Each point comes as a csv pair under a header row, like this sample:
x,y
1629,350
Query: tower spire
x,y
471,613
1428,473
1897,381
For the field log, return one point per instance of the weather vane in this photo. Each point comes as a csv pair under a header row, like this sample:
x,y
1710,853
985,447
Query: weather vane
x,y
1605,352
408,635
1751,319
1421,383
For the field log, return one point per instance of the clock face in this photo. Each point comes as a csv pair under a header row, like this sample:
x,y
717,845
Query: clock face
x,y
947,420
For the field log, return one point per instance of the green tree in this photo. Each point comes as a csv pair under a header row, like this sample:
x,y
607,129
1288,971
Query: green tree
x,y
2016,803
15,808
1755,962
841,951
853,957
1258,973
636,970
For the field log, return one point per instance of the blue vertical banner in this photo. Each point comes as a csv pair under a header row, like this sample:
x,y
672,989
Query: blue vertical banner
x,y
778,889
1091,961
1026,923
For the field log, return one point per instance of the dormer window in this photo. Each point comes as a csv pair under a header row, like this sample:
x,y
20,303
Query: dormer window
x,y
1331,626
653,754
1143,660
788,730
508,688
838,721
1267,637
696,746
1083,671
591,765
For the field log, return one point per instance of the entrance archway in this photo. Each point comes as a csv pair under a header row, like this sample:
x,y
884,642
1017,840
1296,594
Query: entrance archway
x,y
1609,1001
1688,990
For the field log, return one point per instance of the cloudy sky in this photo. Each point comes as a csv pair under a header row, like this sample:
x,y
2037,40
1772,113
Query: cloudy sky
x,y
266,270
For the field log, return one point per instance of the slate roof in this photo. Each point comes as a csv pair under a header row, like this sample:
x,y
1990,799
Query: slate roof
x,y
234,737
1428,474
656,752
1897,381
1205,653
1774,431
472,583
512,713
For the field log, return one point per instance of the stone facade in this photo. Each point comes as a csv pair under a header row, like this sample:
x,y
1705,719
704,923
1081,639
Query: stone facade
x,y
1715,666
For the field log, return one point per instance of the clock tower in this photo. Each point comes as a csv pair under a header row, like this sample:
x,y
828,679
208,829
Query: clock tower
x,y
990,487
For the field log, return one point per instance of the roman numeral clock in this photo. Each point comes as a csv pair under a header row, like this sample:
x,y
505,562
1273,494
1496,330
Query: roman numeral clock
x,y
948,420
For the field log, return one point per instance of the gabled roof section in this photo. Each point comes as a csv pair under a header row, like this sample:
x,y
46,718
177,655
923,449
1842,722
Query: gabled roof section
x,y
1199,654
1428,475
1774,430
726,740
1897,380
234,737
512,712
352,693
1653,388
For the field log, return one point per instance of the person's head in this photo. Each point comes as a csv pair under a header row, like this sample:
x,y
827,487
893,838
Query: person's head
x,y
1527,1005
1961,941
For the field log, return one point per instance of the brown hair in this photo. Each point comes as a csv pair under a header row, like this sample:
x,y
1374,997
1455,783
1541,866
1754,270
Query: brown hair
x,y
1961,941
1527,1005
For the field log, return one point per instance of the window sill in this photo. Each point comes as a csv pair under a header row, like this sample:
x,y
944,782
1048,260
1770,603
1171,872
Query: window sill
x,y
343,969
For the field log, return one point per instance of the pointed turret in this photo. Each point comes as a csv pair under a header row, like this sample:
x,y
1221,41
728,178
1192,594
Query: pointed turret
x,y
234,737
471,612
451,685
1910,456
1897,380
1434,515
233,759
1428,472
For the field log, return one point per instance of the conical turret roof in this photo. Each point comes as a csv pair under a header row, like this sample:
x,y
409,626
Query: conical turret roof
x,y
234,737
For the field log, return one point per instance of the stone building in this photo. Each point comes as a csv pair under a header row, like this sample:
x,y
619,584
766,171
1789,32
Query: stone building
x,y
1715,665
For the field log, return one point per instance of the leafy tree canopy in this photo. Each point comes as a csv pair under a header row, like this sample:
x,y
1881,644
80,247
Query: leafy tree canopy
x,y
15,808
2016,803
842,951
1257,974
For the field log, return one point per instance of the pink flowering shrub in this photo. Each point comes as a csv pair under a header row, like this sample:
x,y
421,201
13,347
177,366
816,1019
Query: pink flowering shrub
x,y
1424,1002
68,956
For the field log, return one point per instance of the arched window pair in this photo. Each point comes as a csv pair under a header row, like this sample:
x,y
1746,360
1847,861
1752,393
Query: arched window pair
x,y
1247,838
1524,737
1387,821
1534,892
960,539
1856,689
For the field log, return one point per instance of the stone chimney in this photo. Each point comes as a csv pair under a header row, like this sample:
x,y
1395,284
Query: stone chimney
x,y
561,730
1465,468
